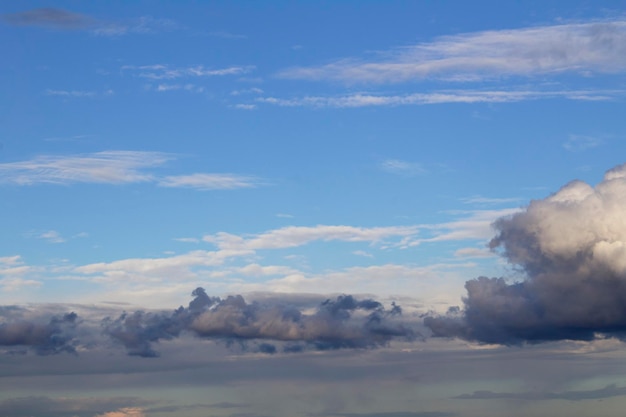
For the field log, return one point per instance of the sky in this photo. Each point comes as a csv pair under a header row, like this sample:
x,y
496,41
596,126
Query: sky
x,y
317,209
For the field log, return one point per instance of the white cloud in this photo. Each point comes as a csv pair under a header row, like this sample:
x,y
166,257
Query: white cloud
x,y
578,143
164,72
362,253
144,25
210,181
71,93
51,236
245,106
192,88
11,260
474,253
477,225
575,47
293,236
396,166
478,199
442,97
114,167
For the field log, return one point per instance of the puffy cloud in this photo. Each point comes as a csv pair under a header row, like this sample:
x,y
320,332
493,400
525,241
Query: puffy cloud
x,y
571,247
53,336
341,323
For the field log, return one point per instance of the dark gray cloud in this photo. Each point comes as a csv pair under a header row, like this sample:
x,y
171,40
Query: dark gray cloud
x,y
341,323
49,17
64,407
45,336
571,248
609,391
396,414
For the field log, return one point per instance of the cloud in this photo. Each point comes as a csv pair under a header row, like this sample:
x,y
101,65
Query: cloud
x,y
441,97
609,391
477,199
114,167
164,72
44,336
293,236
572,248
210,181
395,414
476,225
71,93
49,17
63,19
596,47
145,25
345,322
52,236
404,168
78,407
579,143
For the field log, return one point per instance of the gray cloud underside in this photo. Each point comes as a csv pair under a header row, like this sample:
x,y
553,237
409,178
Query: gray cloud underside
x,y
577,47
609,391
265,327
572,248
396,414
343,323
44,336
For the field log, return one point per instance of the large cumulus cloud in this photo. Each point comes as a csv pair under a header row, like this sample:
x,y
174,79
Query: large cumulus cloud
x,y
344,322
571,246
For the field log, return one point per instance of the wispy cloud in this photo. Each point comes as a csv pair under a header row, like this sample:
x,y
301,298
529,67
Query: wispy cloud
x,y
609,391
210,181
399,167
440,97
70,93
293,236
49,17
226,35
165,72
143,25
578,143
51,236
114,167
65,20
478,199
575,47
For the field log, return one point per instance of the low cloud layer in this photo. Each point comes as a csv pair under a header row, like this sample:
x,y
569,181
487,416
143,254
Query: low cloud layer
x,y
341,323
572,248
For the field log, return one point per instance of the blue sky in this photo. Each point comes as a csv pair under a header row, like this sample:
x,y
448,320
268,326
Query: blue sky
x,y
292,152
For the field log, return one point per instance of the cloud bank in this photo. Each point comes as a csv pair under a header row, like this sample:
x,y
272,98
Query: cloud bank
x,y
341,323
572,248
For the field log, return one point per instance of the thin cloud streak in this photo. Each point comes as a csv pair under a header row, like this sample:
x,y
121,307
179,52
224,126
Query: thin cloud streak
x,y
164,72
114,167
441,97
210,181
576,48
